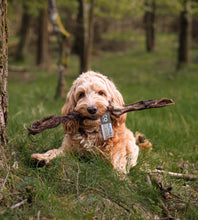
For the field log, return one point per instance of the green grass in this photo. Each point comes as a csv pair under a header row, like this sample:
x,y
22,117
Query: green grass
x,y
77,188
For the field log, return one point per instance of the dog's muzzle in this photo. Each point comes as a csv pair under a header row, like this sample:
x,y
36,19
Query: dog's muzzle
x,y
92,109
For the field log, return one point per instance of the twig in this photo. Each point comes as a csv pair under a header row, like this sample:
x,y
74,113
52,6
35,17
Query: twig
x,y
77,181
53,121
161,187
74,118
4,182
148,179
141,105
176,175
38,215
165,209
18,204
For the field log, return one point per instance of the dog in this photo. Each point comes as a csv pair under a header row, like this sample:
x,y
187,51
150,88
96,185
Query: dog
x,y
90,95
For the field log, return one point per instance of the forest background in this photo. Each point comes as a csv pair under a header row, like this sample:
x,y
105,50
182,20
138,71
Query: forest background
x,y
149,48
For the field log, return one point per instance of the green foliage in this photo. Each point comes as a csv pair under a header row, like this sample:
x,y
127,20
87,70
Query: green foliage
x,y
86,188
118,9
34,7
70,5
173,7
176,6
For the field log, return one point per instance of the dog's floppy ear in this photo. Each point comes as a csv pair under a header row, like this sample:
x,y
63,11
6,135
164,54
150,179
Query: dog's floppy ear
x,y
70,102
68,107
117,99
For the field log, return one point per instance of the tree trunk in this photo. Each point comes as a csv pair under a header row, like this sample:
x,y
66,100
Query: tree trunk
x,y
24,35
64,53
185,34
64,47
89,46
84,33
80,34
42,44
3,71
150,24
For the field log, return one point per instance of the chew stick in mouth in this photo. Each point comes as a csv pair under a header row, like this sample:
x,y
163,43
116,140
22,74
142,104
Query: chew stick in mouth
x,y
74,118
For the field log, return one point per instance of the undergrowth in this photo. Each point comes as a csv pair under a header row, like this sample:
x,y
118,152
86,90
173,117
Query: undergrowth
x,y
88,188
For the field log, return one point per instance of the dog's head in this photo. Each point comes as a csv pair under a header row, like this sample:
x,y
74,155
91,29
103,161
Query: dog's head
x,y
90,95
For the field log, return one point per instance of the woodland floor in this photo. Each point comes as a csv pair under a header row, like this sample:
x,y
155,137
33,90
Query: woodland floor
x,y
77,188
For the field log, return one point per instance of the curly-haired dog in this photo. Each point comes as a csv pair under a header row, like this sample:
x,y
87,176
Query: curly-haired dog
x,y
90,95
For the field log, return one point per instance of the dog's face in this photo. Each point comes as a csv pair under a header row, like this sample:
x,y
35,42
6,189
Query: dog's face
x,y
90,95
91,98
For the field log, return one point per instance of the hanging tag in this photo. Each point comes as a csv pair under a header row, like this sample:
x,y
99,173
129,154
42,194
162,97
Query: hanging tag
x,y
106,126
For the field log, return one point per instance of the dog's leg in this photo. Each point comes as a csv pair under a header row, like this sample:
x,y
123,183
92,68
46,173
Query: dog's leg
x,y
48,156
51,154
119,160
125,153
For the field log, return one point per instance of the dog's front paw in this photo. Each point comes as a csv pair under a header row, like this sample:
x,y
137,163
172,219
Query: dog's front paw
x,y
40,160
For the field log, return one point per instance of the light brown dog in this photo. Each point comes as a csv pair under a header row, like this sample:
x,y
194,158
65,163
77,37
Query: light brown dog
x,y
90,95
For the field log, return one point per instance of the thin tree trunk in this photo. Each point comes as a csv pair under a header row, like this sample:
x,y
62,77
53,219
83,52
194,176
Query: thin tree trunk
x,y
80,34
150,25
90,36
64,53
185,34
24,35
42,44
84,33
64,47
3,71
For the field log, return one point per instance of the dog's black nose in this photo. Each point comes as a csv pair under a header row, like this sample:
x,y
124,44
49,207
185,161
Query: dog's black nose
x,y
92,109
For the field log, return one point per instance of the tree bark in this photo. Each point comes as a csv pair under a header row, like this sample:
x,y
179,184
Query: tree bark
x,y
64,47
185,34
80,35
42,44
84,34
3,71
64,53
90,36
150,25
24,35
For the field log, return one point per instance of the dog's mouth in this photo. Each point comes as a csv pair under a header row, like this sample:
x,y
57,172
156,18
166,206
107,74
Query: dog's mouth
x,y
94,118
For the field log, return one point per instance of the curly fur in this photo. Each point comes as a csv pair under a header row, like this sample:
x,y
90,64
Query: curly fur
x,y
93,90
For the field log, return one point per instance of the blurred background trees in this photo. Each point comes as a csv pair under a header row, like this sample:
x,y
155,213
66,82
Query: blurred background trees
x,y
91,23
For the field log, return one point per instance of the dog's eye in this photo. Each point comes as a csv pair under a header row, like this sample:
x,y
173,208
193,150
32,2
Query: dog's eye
x,y
101,93
81,95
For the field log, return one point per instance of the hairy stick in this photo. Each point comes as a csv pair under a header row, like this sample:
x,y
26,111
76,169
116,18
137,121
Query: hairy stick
x,y
52,121
141,105
74,118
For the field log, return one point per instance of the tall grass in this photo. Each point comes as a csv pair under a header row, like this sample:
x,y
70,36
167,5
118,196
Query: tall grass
x,y
78,188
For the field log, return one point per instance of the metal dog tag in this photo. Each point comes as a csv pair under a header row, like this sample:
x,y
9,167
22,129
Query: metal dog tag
x,y
107,130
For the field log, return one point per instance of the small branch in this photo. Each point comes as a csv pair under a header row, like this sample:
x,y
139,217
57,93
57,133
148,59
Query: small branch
x,y
164,190
38,215
141,105
176,175
18,204
53,121
77,181
74,118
